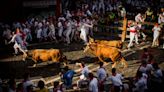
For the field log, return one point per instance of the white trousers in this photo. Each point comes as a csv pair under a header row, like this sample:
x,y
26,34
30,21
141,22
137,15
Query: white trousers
x,y
60,32
155,39
132,37
52,35
16,47
73,33
83,35
68,32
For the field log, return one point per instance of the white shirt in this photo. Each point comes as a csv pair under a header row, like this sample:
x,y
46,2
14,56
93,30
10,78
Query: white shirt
x,y
143,69
156,30
133,29
93,85
149,67
101,74
138,18
116,80
85,71
26,30
69,26
52,27
158,73
60,26
160,18
39,33
140,85
68,15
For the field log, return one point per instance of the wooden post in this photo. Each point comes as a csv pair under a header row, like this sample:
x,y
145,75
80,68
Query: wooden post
x,y
58,8
123,37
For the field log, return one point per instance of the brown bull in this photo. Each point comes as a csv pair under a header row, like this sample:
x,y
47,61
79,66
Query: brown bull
x,y
102,51
113,43
44,55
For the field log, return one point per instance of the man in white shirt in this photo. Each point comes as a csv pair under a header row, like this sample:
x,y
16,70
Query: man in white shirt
x,y
60,28
27,82
68,31
141,83
133,34
18,43
101,75
116,79
84,70
84,31
93,84
139,19
156,32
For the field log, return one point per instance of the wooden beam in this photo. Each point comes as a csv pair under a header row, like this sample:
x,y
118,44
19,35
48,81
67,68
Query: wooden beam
x,y
124,30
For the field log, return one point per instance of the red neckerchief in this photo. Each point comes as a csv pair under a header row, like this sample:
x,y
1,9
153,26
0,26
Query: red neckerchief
x,y
114,74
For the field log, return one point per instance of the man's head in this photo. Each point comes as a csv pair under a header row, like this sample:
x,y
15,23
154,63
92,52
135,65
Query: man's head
x,y
101,64
113,70
90,75
82,64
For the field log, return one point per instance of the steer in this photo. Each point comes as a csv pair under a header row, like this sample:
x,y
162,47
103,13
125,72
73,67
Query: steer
x,y
45,55
114,43
102,51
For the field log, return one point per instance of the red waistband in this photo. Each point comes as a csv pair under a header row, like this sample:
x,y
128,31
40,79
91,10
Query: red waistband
x,y
133,31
